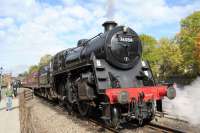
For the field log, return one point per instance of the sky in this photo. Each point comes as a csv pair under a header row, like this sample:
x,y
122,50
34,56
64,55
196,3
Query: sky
x,y
30,29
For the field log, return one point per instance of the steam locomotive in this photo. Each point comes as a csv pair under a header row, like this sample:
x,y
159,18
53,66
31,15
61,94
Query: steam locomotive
x,y
105,73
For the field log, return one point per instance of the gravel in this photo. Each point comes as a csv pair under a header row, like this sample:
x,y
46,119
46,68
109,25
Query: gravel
x,y
47,118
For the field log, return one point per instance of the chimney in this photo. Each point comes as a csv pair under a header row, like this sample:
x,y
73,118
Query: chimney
x,y
109,25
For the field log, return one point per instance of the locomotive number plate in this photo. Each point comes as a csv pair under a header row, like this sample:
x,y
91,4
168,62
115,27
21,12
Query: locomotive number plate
x,y
125,38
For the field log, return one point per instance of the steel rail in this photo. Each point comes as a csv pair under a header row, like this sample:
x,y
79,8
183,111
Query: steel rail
x,y
62,109
169,116
158,128
162,128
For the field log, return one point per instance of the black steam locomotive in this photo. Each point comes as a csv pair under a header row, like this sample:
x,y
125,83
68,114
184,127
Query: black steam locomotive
x,y
105,73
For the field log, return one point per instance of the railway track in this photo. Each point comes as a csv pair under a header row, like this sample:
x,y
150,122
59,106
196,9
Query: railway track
x,y
163,129
104,126
97,123
63,110
171,117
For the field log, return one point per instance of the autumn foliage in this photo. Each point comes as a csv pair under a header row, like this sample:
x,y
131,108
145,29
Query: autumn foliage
x,y
177,56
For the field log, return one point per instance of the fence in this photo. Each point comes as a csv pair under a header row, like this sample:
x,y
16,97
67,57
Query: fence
x,y
24,111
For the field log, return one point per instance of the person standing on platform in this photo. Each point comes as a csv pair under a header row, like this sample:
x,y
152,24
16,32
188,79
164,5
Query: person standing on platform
x,y
15,86
0,94
9,97
1,72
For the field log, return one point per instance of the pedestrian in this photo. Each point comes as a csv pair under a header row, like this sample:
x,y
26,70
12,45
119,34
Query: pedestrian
x,y
9,97
0,94
15,85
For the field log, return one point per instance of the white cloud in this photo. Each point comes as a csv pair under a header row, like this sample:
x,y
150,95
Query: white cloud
x,y
20,10
146,13
29,29
6,22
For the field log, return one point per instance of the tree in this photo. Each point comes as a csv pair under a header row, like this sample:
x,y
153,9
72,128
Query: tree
x,y
171,59
150,52
149,46
44,60
24,74
190,27
197,50
33,68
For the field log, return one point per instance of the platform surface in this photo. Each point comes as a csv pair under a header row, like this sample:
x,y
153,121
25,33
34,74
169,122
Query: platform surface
x,y
9,120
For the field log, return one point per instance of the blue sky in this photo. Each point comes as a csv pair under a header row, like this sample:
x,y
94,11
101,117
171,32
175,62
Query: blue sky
x,y
32,28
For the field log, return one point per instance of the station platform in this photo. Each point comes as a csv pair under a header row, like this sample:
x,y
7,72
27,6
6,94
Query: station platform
x,y
9,120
